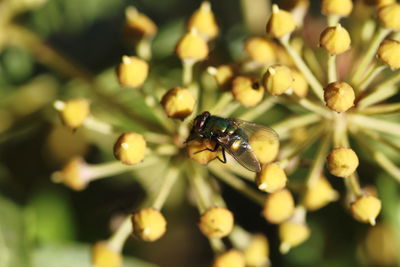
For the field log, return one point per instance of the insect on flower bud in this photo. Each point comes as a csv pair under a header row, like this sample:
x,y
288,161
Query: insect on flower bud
x,y
231,258
192,47
223,75
205,156
139,24
216,222
72,174
366,208
342,162
246,91
336,7
389,53
271,178
339,96
389,16
280,23
204,21
319,194
335,40
73,112
278,79
279,206
130,148
292,234
265,145
257,252
104,256
132,72
300,84
178,103
260,50
148,224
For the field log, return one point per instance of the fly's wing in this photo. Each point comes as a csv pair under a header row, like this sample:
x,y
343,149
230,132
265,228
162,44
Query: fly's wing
x,y
241,151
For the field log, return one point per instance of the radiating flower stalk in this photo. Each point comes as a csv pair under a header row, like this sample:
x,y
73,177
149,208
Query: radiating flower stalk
x,y
341,109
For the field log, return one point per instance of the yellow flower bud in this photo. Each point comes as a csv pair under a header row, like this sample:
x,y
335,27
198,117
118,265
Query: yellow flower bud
x,y
292,234
381,246
300,84
178,103
366,208
257,252
204,21
339,96
271,178
280,23
104,256
223,75
336,7
192,47
279,206
130,148
72,174
260,50
342,162
278,79
194,146
139,24
73,112
132,72
319,194
389,53
216,222
335,40
265,145
148,224
246,91
231,258
389,16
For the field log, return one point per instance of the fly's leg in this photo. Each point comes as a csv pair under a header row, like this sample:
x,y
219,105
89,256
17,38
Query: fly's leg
x,y
223,156
223,160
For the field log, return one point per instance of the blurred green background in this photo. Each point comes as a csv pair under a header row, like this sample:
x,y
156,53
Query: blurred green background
x,y
62,47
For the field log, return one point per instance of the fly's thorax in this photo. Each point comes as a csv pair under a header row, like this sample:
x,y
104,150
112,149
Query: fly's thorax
x,y
216,126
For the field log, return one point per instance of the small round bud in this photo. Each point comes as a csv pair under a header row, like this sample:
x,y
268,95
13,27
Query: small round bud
x,y
223,75
389,16
148,224
192,47
292,234
130,148
280,23
260,50
132,72
139,24
366,208
271,178
257,252
216,222
265,145
300,84
339,96
73,174
278,79
381,247
336,7
319,194
204,21
73,112
389,53
178,103
342,162
246,91
231,258
279,206
335,40
104,256
205,156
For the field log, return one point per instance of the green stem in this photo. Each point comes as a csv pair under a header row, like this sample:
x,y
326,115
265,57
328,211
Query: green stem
x,y
117,240
316,108
359,74
375,124
187,75
202,190
143,49
169,180
224,100
310,77
295,122
318,164
333,20
377,95
376,70
258,110
332,73
381,109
